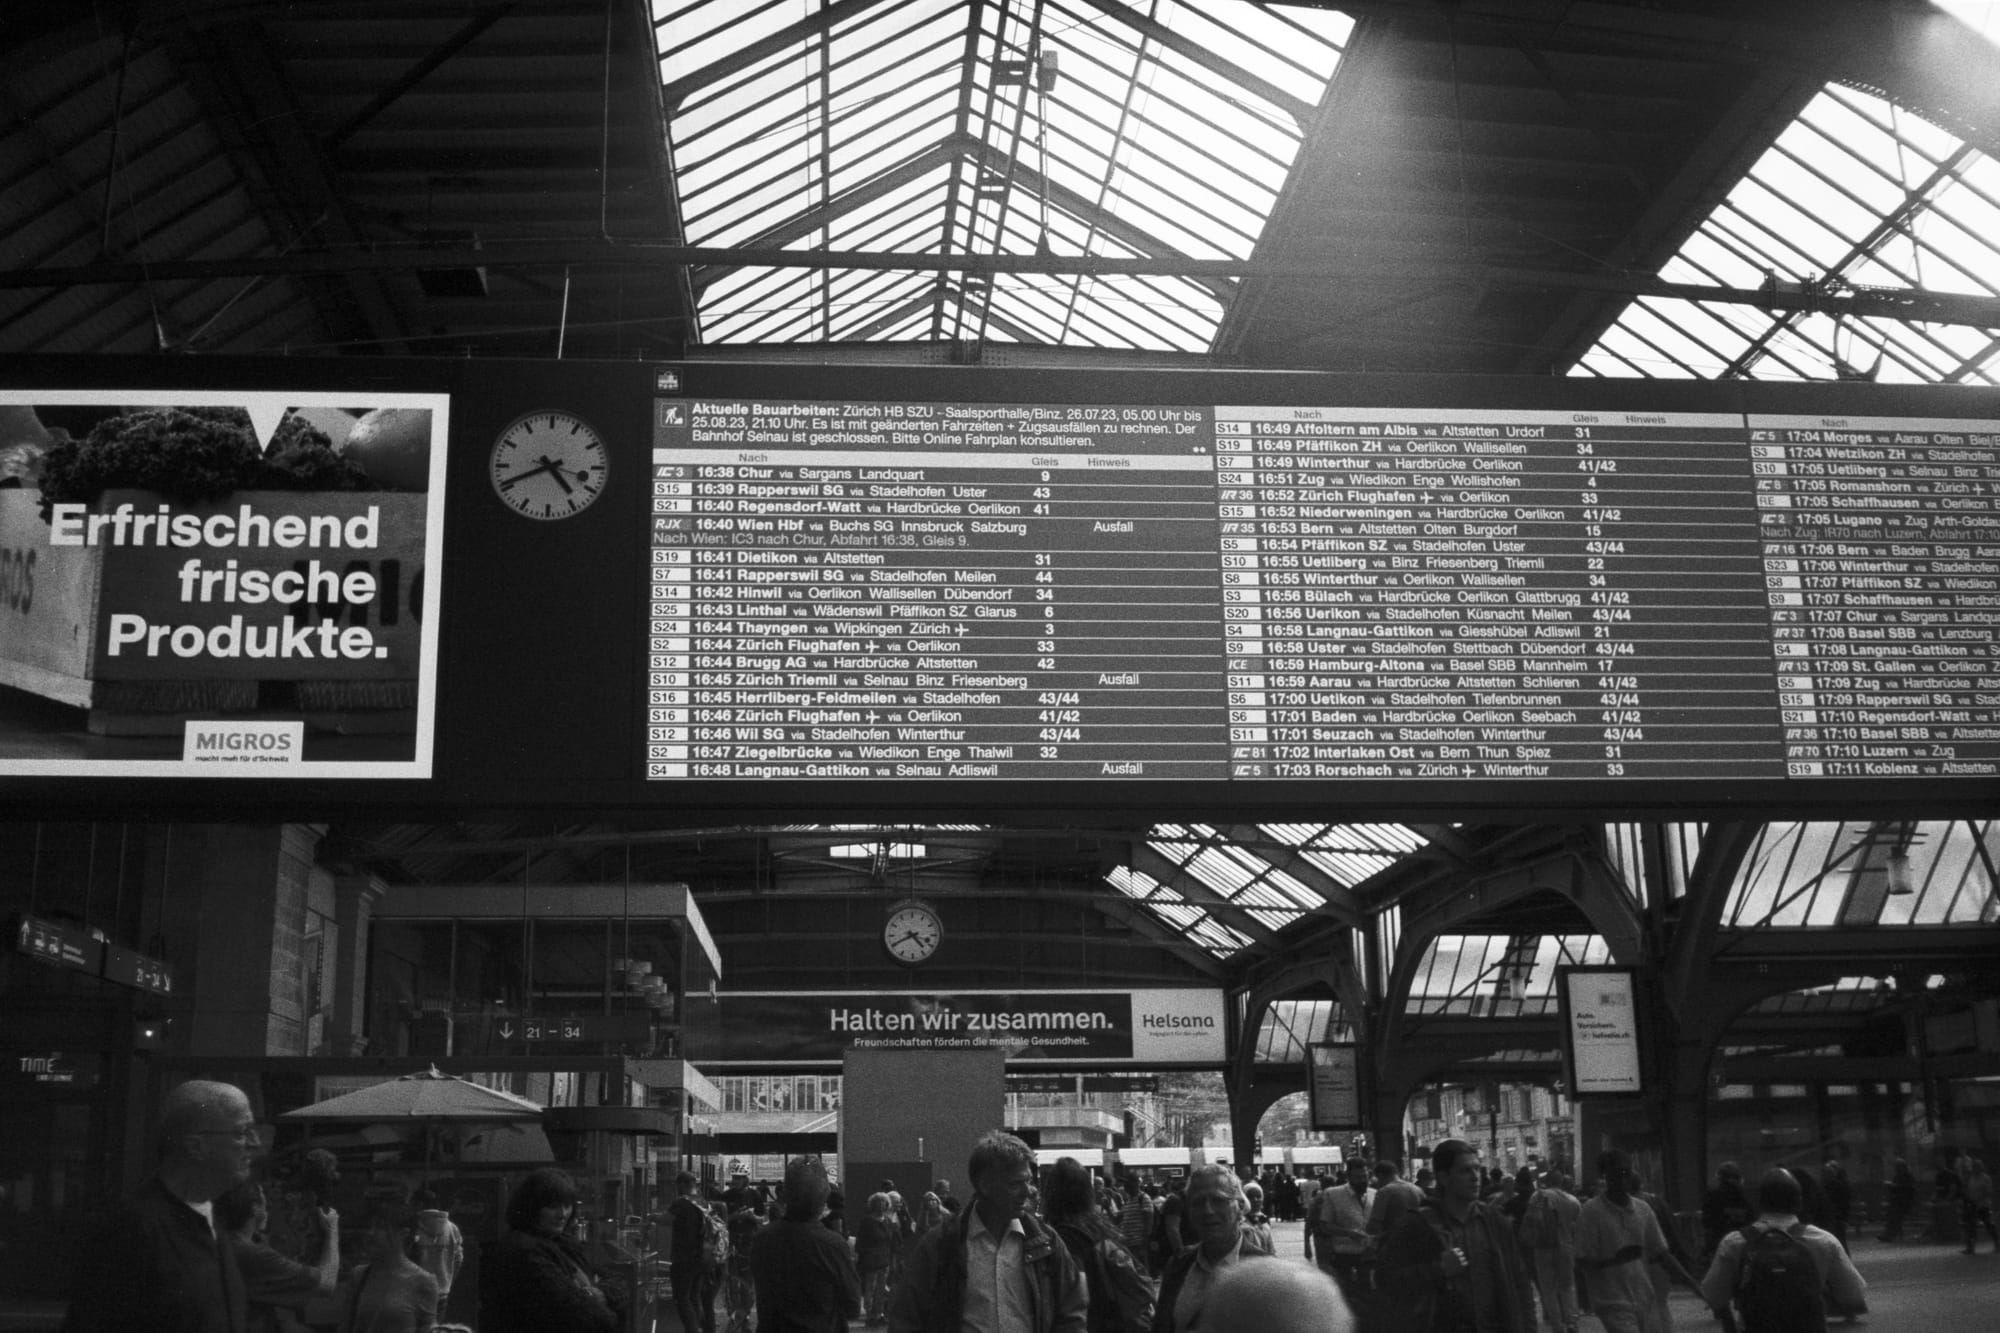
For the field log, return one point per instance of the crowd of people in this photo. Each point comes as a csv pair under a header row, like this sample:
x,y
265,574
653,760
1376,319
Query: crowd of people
x,y
1460,1248
1055,1251
1468,1249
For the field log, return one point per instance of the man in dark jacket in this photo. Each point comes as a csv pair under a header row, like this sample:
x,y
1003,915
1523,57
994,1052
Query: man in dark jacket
x,y
162,1265
806,1280
694,1286
992,1268
1453,1265
1216,1207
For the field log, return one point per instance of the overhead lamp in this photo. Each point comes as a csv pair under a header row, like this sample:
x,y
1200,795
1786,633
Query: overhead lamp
x,y
1901,885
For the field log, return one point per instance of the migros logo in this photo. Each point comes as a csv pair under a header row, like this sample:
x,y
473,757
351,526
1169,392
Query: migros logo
x,y
244,742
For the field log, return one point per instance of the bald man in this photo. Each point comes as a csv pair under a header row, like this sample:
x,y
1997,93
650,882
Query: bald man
x,y
163,1265
1276,1298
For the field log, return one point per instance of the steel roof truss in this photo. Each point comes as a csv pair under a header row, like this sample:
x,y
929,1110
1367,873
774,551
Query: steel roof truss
x,y
769,47
1156,865
1263,89
1339,900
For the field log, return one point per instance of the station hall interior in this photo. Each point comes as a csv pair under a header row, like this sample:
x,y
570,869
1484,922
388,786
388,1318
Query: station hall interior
x,y
1680,190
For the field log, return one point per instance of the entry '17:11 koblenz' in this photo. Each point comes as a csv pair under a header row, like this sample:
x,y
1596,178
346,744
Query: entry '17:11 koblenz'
x,y
991,591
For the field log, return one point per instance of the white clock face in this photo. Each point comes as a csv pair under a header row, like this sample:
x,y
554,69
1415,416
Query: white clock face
x,y
912,934
548,465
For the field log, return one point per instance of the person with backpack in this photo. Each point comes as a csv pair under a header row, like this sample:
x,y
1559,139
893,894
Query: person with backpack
x,y
1452,1266
695,1279
1547,1234
1121,1295
1617,1237
1778,1274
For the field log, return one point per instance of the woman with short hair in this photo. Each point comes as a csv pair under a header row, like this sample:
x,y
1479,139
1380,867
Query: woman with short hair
x,y
537,1279
875,1244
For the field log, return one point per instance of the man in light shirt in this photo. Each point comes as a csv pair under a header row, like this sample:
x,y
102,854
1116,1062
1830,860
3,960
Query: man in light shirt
x,y
1616,1237
1216,1207
992,1268
1338,1233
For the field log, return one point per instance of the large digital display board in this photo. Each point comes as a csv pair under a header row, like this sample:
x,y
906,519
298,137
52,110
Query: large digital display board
x,y
1047,591
899,591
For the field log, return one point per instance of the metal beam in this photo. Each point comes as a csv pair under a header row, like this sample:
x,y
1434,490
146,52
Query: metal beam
x,y
1173,875
1341,904
1857,1069
1923,307
417,73
241,85
1297,108
764,48
1876,950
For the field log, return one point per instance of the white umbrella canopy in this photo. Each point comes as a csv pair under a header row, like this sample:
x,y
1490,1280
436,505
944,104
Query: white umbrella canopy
x,y
428,1096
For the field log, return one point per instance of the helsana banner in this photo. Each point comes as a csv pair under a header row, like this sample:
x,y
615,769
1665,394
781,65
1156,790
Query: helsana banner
x,y
219,583
1143,1027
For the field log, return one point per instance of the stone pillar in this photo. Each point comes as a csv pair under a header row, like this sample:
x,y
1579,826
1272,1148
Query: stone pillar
x,y
220,903
354,898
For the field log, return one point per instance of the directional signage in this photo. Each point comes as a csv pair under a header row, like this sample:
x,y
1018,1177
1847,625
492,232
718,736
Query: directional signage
x,y
55,942
129,967
542,1029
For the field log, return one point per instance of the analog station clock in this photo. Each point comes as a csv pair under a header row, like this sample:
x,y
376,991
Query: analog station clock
x,y
548,465
912,932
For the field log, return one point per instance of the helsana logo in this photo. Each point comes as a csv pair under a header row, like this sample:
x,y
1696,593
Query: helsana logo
x,y
244,742
1172,1022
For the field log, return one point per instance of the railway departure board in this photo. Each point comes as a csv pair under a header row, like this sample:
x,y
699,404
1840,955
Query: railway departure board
x,y
711,588
939,590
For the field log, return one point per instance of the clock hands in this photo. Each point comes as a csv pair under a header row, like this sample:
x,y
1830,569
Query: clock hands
x,y
546,466
553,468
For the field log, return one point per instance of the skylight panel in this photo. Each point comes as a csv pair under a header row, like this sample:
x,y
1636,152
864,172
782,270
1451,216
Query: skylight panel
x,y
1856,193
1193,921
1147,148
691,35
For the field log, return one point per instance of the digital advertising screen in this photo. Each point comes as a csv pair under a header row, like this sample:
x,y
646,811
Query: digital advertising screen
x,y
219,583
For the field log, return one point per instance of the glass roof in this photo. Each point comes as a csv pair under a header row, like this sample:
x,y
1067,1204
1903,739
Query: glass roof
x,y
1857,194
1290,1026
1116,128
1893,873
1501,976
1214,868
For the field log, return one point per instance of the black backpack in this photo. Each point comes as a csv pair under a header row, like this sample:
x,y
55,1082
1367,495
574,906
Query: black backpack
x,y
1778,1288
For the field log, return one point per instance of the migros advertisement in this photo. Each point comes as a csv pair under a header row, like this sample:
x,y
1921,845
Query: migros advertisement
x,y
218,583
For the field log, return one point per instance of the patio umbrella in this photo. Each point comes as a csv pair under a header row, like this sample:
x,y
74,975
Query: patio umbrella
x,y
428,1100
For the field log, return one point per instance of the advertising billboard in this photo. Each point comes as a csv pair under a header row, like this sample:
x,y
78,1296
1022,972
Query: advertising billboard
x,y
1601,1031
1098,1027
201,582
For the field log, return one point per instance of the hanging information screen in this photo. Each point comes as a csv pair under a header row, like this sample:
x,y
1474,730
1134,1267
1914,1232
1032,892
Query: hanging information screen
x,y
924,590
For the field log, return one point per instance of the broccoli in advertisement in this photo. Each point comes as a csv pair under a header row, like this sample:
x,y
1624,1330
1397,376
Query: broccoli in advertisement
x,y
218,584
